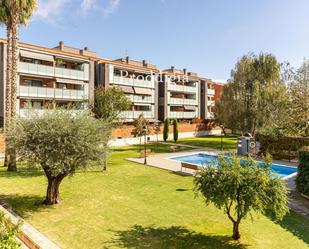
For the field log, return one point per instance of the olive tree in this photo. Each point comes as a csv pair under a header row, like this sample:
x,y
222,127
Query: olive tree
x,y
61,142
140,127
240,187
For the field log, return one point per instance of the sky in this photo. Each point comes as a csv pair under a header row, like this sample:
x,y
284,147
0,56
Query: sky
x,y
204,36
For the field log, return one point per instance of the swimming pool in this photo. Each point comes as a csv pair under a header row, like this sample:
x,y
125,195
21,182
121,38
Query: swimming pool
x,y
202,159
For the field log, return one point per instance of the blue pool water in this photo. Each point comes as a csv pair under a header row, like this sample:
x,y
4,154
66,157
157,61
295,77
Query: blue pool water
x,y
203,159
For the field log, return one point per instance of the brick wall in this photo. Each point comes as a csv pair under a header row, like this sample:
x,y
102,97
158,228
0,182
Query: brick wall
x,y
1,143
126,131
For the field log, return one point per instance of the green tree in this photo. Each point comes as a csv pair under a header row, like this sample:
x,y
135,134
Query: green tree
x,y
175,130
302,179
296,120
8,234
166,129
61,143
239,187
109,103
13,14
140,127
254,96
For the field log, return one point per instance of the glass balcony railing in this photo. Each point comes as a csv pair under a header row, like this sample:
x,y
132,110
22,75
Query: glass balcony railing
x,y
174,114
57,93
141,99
135,114
180,101
37,69
182,88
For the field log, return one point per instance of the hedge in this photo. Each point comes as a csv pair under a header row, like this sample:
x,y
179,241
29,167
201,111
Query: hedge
x,y
302,180
282,147
165,129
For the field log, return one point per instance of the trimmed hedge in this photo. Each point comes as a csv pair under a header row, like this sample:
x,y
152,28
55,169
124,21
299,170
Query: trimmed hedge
x,y
282,147
302,180
166,129
175,130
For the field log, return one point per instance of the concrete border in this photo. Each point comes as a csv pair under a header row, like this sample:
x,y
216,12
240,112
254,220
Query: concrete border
x,y
29,236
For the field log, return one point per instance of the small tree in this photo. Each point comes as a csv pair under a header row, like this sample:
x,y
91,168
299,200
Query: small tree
x,y
139,127
109,103
166,129
61,143
302,180
175,131
8,234
240,187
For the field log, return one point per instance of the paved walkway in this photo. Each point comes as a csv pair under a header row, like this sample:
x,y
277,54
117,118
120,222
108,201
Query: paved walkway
x,y
296,202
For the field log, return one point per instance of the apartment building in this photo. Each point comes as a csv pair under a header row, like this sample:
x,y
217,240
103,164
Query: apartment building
x,y
179,94
138,81
207,97
49,78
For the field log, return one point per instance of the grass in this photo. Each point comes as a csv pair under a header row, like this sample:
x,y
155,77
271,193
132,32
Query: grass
x,y
229,142
135,206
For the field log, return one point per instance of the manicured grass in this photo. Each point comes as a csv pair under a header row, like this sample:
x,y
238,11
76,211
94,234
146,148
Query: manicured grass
x,y
229,142
136,206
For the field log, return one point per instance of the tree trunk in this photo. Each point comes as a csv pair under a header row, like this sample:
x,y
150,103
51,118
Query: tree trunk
x,y
236,235
52,193
14,78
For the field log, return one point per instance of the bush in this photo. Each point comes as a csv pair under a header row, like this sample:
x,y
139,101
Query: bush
x,y
166,129
302,180
175,132
281,147
8,233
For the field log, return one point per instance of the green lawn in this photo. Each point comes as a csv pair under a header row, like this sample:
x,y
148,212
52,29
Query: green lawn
x,y
229,142
136,206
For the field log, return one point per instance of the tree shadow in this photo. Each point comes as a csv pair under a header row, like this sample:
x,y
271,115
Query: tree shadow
x,y
24,205
22,173
170,237
294,223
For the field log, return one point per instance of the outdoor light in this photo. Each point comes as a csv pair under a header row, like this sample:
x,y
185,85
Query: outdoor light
x,y
145,148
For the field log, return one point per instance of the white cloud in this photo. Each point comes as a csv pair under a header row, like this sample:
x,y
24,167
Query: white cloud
x,y
111,7
87,5
49,9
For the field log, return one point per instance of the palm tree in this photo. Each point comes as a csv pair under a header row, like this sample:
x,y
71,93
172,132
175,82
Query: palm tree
x,y
15,13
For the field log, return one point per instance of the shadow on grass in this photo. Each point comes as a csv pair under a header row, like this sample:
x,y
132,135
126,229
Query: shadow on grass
x,y
170,237
24,205
296,224
22,173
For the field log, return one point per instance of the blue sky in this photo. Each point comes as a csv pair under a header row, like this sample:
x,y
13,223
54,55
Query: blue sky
x,y
205,36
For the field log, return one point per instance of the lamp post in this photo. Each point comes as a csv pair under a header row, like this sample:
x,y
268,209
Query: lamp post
x,y
145,148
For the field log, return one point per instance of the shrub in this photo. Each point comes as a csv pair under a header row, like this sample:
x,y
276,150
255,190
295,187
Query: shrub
x,y
166,129
281,147
302,180
8,234
175,131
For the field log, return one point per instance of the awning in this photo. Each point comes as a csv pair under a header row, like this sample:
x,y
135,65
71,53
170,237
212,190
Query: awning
x,y
37,56
141,104
67,81
127,89
190,108
143,91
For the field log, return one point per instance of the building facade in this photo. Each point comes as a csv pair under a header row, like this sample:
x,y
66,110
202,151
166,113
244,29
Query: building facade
x,y
138,81
49,79
52,78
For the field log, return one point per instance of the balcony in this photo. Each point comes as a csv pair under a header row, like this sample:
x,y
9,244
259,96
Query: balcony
x,y
180,101
211,103
45,92
210,91
182,88
135,114
26,113
133,82
43,70
37,69
71,73
141,99
174,114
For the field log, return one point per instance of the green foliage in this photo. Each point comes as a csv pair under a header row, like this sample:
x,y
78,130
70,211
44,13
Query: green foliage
x,y
140,124
254,96
61,142
8,233
281,147
240,188
302,180
166,129
109,103
175,130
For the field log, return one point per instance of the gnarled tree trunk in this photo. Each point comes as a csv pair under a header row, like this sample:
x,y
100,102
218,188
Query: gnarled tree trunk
x,y
236,234
52,193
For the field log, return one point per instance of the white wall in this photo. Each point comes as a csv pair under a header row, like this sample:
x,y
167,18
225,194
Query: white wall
x,y
153,138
